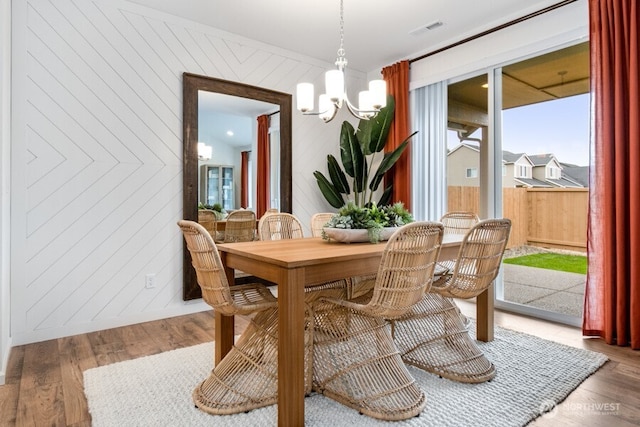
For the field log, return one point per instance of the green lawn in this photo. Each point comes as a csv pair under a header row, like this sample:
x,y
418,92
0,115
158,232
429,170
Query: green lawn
x,y
552,261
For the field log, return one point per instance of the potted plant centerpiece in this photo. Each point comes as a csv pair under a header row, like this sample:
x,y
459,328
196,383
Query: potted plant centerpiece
x,y
216,208
353,196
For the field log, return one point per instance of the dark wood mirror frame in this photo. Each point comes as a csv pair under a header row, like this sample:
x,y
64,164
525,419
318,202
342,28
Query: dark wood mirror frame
x,y
191,84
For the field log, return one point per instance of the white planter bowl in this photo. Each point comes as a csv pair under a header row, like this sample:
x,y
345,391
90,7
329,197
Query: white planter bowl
x,y
355,235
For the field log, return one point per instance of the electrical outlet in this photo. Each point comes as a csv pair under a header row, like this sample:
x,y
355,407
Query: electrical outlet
x,y
150,281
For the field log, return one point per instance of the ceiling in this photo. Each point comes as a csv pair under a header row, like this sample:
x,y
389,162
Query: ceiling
x,y
219,114
558,74
376,33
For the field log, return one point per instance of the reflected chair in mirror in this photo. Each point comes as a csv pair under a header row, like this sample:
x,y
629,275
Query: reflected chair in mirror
x,y
246,378
207,218
240,226
279,226
318,220
355,360
432,335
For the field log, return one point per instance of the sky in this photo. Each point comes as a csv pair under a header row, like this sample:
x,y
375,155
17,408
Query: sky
x,y
560,127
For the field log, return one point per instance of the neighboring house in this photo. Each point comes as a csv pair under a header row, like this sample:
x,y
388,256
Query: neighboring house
x,y
518,169
548,169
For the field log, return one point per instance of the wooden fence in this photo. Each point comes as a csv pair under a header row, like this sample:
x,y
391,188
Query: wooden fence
x,y
547,217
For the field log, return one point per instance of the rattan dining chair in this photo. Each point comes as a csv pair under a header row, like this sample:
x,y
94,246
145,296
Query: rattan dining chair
x,y
207,218
318,220
279,226
285,226
355,360
432,335
246,378
240,226
458,222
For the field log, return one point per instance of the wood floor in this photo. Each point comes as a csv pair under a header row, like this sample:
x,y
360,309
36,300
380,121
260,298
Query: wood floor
x,y
44,380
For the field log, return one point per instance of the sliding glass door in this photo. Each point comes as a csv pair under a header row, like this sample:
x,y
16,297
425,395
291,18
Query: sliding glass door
x,y
518,147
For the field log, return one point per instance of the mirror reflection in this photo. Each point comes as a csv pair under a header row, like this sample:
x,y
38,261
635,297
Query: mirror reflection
x,y
227,149
224,161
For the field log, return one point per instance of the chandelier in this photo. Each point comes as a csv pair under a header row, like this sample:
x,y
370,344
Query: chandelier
x,y
204,151
369,102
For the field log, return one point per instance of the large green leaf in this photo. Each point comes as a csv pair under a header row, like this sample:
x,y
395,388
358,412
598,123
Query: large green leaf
x,y
372,134
328,190
337,176
347,154
385,199
387,162
352,158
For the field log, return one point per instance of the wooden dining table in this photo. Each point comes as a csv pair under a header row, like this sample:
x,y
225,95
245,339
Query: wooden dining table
x,y
291,264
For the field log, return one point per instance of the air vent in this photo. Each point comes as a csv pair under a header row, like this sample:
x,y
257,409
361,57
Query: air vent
x,y
425,28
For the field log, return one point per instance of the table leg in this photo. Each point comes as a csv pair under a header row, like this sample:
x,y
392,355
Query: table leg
x,y
291,348
224,325
484,314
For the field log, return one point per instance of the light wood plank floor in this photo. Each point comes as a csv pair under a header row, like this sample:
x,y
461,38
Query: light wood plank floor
x,y
44,380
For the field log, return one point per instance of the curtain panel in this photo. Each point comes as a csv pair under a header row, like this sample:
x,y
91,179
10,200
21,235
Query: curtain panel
x,y
429,151
612,297
397,78
264,162
244,179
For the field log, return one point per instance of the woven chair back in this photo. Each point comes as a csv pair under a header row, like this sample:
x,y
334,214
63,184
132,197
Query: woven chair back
x,y
279,226
209,270
207,218
240,226
458,222
318,220
406,269
479,258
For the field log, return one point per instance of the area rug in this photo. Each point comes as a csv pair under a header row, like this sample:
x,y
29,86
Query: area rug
x,y
533,376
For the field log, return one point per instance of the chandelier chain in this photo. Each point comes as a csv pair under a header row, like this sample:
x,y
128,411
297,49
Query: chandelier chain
x,y
341,61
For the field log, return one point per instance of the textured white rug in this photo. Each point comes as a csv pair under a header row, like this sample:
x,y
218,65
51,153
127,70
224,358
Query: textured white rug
x,y
533,375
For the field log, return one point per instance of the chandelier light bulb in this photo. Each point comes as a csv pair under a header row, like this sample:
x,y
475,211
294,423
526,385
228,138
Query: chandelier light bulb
x,y
204,151
378,90
304,97
334,85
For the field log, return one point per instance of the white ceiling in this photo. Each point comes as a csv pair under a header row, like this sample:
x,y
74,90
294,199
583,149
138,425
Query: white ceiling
x,y
219,114
376,32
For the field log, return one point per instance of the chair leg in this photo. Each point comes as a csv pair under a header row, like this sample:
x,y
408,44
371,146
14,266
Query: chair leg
x,y
247,377
357,364
433,337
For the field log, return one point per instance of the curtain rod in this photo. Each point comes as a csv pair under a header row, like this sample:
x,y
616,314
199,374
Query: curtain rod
x,y
494,29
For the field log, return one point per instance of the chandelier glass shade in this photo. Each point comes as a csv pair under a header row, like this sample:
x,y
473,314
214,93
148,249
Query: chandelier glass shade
x,y
369,101
204,151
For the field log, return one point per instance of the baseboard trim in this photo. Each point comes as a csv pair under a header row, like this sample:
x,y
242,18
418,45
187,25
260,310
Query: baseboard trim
x,y
31,337
5,362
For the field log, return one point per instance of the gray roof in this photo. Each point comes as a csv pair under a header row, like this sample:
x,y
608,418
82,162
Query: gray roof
x,y
532,182
541,159
510,157
579,174
565,182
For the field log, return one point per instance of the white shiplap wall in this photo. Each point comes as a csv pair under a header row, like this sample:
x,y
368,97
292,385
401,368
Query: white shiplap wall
x,y
97,157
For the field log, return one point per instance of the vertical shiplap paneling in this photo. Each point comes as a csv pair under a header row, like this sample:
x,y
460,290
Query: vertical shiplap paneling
x,y
102,154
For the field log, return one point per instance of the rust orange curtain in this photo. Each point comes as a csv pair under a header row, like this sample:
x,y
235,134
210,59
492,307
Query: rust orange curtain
x,y
612,298
397,78
264,160
244,179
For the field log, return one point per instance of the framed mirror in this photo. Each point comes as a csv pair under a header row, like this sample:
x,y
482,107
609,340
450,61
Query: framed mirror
x,y
193,84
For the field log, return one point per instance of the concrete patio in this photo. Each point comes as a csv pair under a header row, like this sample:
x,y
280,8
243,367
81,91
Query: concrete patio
x,y
551,290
